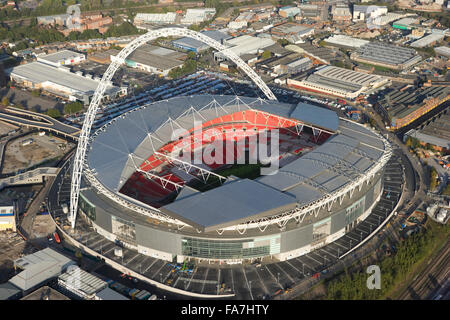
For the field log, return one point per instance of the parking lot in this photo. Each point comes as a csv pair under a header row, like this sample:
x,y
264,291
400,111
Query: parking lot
x,y
248,281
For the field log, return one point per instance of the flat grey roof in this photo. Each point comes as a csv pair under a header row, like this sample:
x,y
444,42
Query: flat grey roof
x,y
38,72
235,201
109,294
60,55
8,290
317,116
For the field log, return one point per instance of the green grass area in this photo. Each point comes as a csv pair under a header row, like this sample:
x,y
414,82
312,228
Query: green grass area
x,y
379,68
243,171
397,270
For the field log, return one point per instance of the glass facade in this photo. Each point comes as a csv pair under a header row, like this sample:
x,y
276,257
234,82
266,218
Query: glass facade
x,y
233,249
354,211
86,207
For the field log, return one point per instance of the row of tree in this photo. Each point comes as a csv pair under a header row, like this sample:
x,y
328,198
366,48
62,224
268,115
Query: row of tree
x,y
394,268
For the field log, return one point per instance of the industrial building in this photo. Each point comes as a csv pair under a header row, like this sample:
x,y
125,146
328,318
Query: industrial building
x,y
364,13
60,81
198,15
428,40
402,106
81,283
156,18
435,132
103,57
341,12
310,11
291,63
443,51
405,23
289,12
344,41
319,55
7,217
291,31
62,58
38,268
196,46
245,44
155,59
386,55
339,82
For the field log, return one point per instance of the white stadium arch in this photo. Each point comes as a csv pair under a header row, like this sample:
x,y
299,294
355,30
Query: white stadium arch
x,y
107,76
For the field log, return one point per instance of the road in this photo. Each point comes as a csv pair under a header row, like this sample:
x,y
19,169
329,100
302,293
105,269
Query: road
x,y
37,120
28,217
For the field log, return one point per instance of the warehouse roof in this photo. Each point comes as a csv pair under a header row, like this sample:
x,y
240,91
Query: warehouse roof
x,y
38,72
427,40
82,281
250,198
8,290
196,44
387,53
109,294
39,267
60,55
347,41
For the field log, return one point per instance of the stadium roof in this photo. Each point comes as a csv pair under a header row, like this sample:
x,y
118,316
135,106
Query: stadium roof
x,y
121,146
249,199
321,117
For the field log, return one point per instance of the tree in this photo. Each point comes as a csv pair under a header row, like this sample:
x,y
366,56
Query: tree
x,y
266,54
54,113
73,107
36,93
5,101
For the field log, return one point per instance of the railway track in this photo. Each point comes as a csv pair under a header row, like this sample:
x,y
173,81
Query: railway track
x,y
431,278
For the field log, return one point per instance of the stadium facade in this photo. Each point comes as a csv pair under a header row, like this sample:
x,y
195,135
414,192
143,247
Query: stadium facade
x,y
137,193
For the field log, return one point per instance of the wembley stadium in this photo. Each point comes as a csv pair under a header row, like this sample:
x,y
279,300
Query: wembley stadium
x,y
138,189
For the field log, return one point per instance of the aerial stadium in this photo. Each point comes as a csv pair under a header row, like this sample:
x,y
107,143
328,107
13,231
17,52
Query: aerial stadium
x,y
222,179
139,190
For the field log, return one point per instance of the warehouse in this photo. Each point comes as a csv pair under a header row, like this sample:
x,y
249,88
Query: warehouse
x,y
288,12
292,32
443,51
244,45
340,40
81,283
194,16
157,18
196,46
386,55
364,13
428,40
60,81
155,59
435,132
62,58
403,106
39,268
339,82
405,23
319,55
